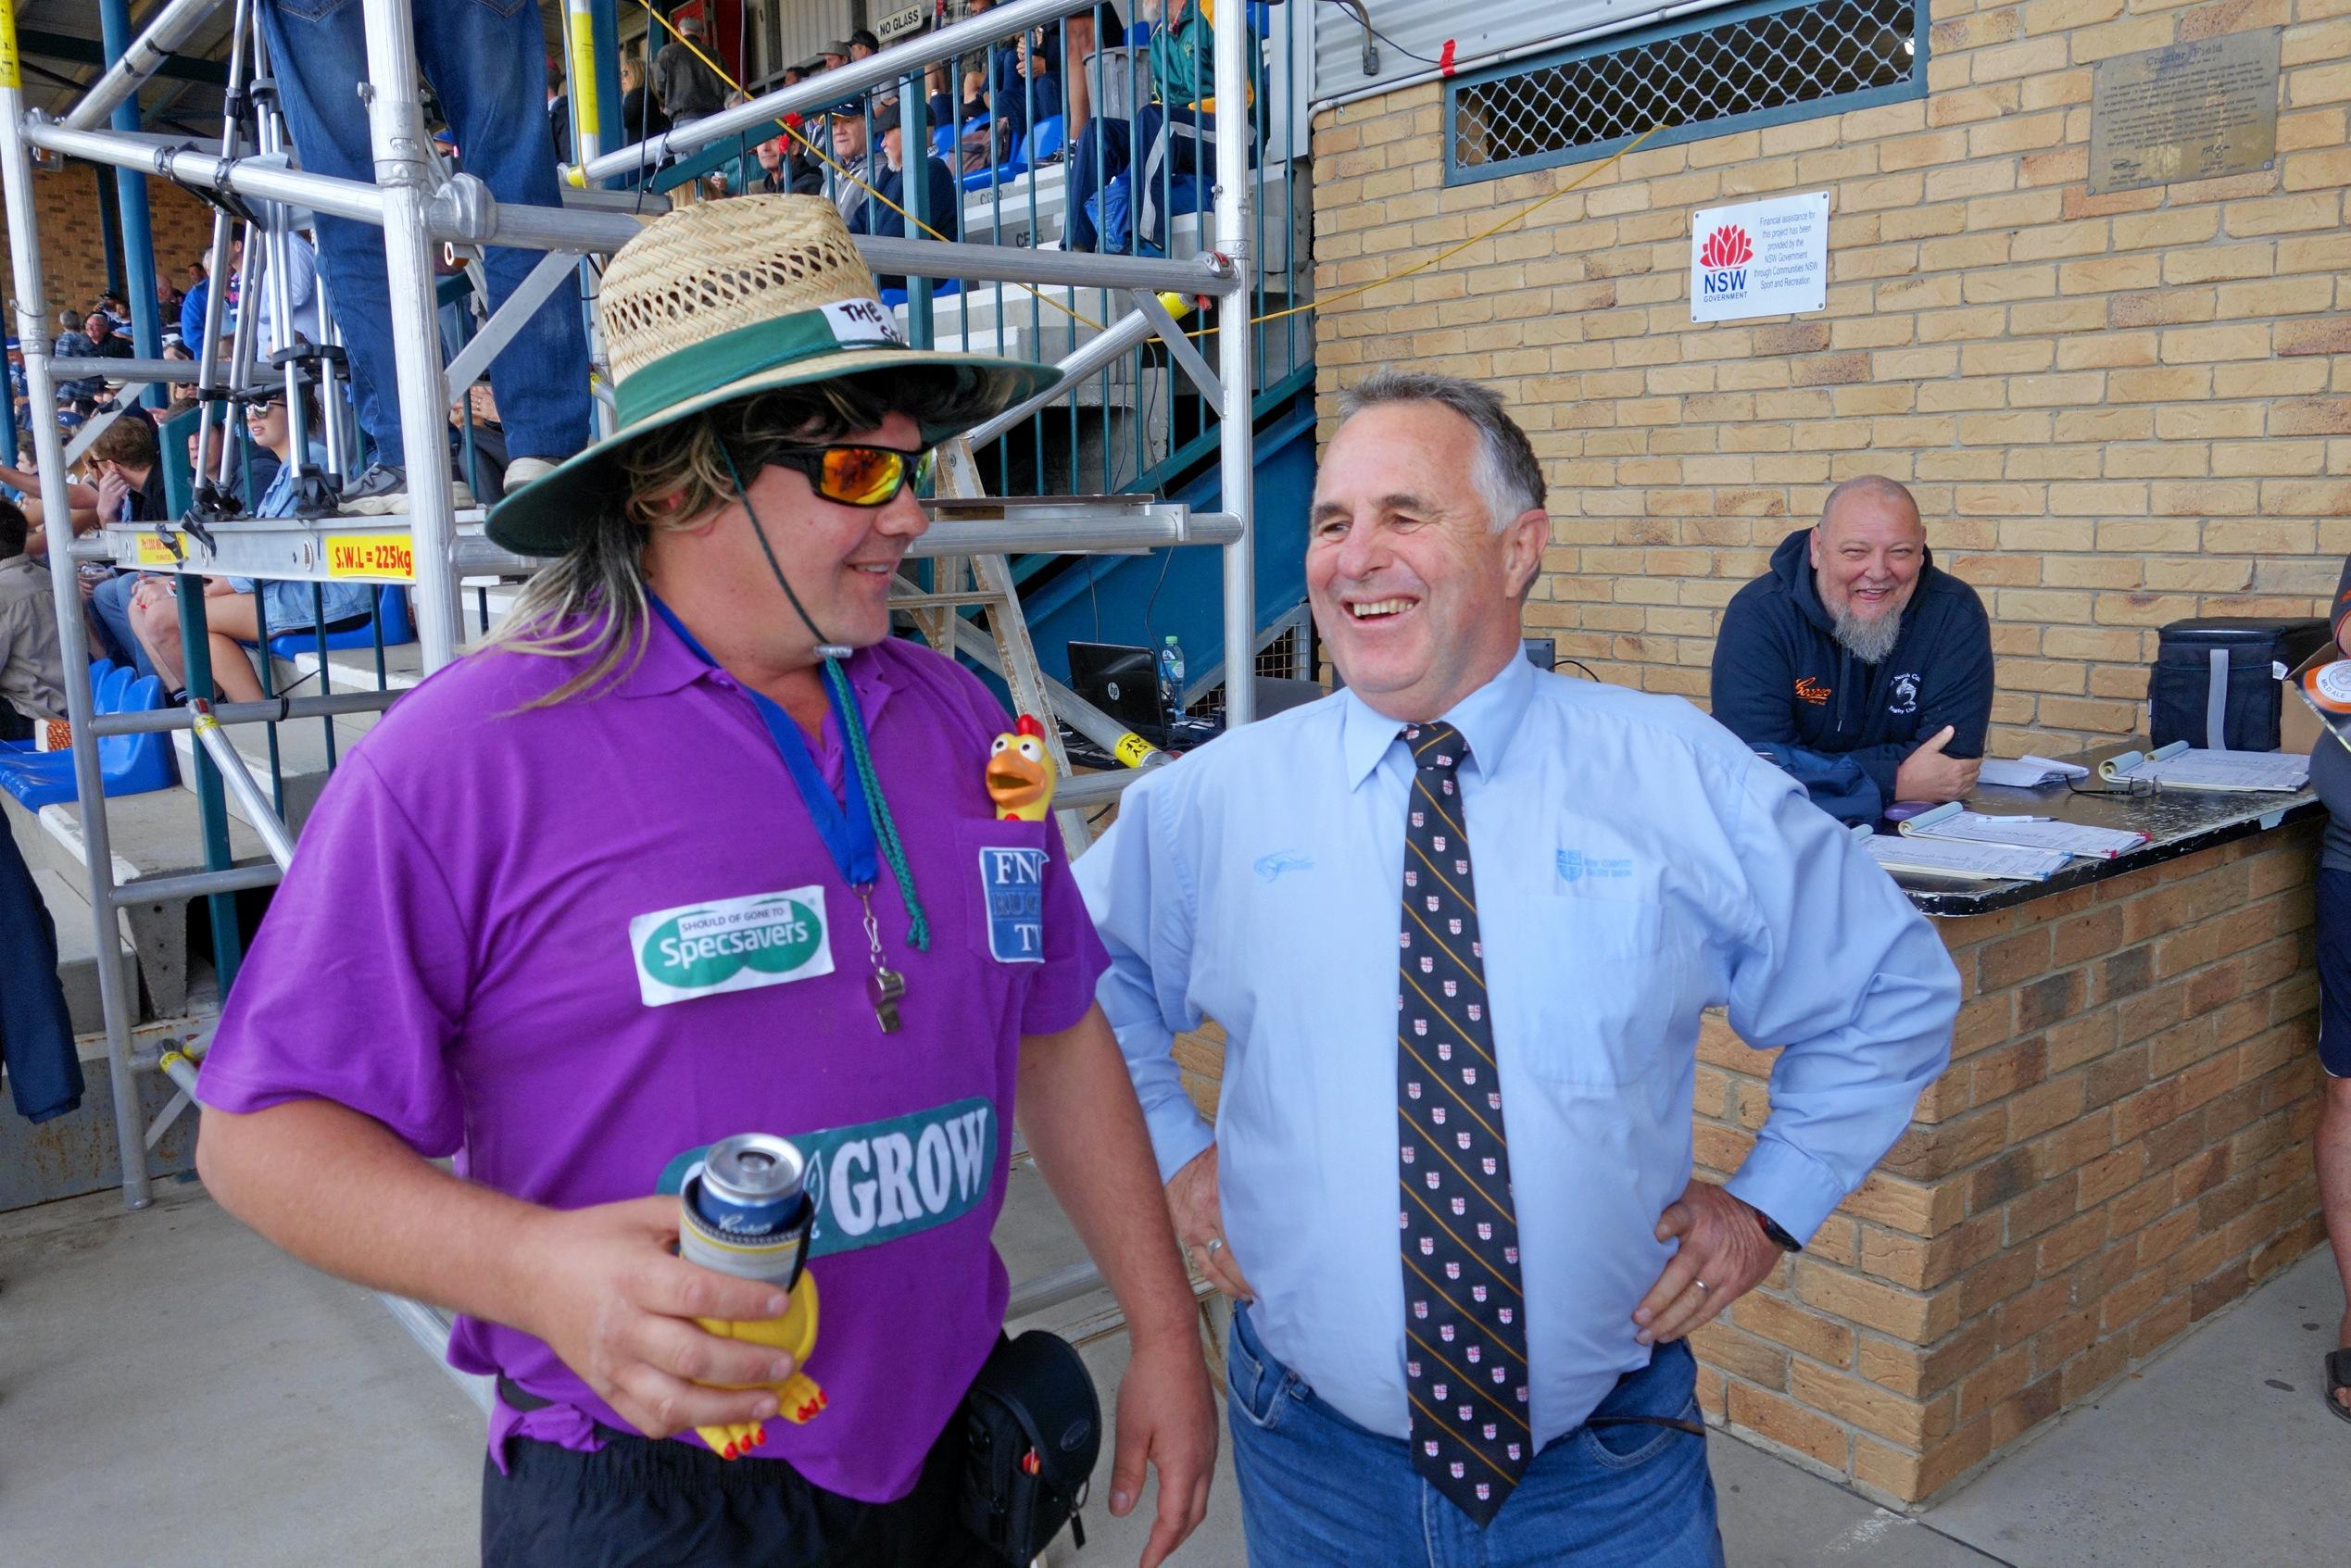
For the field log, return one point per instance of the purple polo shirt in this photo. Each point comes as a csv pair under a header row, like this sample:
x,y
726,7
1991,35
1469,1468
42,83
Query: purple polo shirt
x,y
570,945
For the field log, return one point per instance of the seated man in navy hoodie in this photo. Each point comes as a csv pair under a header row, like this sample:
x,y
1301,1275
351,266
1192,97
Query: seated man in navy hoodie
x,y
1857,664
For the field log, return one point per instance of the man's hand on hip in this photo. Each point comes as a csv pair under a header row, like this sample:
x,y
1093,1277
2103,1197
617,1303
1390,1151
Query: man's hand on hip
x,y
1723,1255
618,1306
1198,1215
1928,774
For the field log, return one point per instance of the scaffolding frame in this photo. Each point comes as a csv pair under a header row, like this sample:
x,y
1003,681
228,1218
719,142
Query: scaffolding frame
x,y
417,205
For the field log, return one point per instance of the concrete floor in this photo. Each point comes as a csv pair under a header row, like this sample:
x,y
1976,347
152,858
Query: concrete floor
x,y
174,1391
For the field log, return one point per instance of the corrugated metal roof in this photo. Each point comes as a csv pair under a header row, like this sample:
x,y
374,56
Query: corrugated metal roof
x,y
1412,36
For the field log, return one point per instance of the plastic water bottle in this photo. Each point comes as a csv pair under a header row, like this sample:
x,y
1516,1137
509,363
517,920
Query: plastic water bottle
x,y
1171,680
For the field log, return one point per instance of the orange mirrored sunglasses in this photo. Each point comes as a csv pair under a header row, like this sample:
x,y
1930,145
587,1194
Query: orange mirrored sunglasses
x,y
857,476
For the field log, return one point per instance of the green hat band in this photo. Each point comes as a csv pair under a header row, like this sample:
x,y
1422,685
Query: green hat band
x,y
853,324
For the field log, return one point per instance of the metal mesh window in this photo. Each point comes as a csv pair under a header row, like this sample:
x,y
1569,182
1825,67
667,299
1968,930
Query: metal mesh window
x,y
1754,64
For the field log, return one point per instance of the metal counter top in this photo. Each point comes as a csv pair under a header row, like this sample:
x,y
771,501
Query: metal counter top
x,y
2182,822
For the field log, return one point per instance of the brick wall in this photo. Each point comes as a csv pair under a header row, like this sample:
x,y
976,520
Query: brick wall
x,y
73,255
2116,410
2120,1145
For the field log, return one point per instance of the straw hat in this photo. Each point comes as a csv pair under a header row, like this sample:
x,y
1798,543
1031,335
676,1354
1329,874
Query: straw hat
x,y
722,300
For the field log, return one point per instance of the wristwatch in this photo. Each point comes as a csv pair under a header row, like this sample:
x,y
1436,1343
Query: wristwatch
x,y
1772,1231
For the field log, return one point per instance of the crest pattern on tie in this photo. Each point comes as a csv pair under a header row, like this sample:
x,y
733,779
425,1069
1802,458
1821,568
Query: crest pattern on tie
x,y
1465,1338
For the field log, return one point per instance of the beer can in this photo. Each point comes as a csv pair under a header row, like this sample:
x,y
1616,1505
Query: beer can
x,y
743,1211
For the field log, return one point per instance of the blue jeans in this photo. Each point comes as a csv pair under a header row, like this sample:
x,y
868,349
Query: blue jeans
x,y
487,61
1318,1491
36,1035
1109,148
111,604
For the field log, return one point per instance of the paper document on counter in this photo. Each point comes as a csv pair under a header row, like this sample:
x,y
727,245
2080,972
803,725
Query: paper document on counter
x,y
1977,862
1954,822
2029,771
2177,767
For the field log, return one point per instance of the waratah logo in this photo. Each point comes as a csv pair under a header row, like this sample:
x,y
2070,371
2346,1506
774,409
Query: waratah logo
x,y
1726,247
1722,263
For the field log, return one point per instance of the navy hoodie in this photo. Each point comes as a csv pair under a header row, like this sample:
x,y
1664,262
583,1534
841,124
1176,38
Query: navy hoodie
x,y
1782,676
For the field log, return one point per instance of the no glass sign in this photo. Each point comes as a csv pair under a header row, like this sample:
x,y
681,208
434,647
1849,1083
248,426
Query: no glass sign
x,y
1760,259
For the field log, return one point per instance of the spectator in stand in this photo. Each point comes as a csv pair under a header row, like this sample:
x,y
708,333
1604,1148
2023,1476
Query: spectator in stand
x,y
559,110
687,87
302,296
882,215
775,169
834,55
641,116
82,393
192,305
25,480
130,474
36,1031
234,607
487,63
862,45
105,341
1036,95
31,670
1168,141
939,102
845,182
117,314
183,394
166,303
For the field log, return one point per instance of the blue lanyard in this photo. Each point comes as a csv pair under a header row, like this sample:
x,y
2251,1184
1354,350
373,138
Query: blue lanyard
x,y
845,825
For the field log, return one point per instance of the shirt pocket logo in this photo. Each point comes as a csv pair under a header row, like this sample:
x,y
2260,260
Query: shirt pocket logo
x,y
1013,885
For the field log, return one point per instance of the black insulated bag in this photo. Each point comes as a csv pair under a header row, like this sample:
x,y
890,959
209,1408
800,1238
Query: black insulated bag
x,y
2215,680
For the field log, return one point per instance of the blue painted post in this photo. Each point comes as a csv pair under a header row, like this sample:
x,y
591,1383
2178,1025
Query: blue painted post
x,y
131,194
605,15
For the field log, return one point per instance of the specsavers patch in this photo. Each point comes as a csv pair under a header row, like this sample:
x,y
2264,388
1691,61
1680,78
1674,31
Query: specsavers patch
x,y
730,945
878,1181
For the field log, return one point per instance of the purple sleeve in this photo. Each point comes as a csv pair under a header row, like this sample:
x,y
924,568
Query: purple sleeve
x,y
353,987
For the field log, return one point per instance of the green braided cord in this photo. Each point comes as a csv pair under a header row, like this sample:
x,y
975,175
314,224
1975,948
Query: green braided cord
x,y
918,930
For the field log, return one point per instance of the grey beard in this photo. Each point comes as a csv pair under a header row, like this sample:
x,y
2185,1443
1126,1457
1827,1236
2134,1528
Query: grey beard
x,y
1868,639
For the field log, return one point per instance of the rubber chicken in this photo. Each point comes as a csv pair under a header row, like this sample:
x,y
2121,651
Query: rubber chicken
x,y
1021,773
799,1399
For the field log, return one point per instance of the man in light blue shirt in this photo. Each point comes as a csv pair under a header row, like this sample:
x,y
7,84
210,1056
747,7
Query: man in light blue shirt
x,y
1490,1368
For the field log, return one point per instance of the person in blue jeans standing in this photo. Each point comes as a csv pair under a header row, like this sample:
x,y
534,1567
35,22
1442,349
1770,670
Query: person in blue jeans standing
x,y
2331,776
486,60
1459,923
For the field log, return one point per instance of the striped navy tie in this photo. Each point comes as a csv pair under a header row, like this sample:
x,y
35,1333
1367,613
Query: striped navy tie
x,y
1464,1319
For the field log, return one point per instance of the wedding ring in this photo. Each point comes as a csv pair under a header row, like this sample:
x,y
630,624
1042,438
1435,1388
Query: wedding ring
x,y
1215,1245
1701,1284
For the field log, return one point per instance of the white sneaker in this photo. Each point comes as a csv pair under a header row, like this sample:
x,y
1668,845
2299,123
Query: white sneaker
x,y
523,471
382,490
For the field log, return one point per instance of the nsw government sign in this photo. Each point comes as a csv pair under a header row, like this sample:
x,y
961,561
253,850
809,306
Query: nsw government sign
x,y
1760,259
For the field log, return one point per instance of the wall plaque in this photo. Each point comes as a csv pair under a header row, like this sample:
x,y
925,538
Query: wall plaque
x,y
2189,111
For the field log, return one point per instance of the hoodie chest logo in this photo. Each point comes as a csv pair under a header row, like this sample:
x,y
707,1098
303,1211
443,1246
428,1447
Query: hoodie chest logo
x,y
1812,691
1905,694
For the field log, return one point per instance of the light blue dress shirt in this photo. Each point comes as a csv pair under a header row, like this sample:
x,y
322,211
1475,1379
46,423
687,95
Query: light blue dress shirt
x,y
1634,864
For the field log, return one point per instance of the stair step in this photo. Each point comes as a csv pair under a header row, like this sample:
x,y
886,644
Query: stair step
x,y
69,910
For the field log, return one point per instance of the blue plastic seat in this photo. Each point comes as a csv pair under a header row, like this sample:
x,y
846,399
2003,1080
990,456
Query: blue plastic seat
x,y
942,141
126,764
940,289
1045,139
99,670
391,610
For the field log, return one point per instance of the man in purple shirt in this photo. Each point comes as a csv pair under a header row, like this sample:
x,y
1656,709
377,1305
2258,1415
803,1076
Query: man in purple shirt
x,y
697,848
